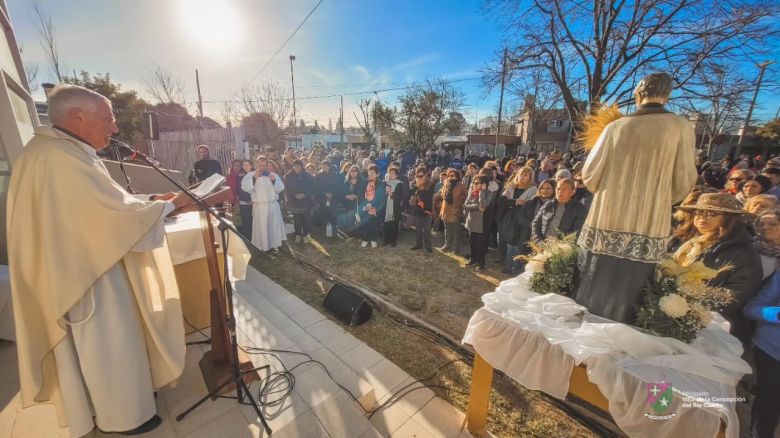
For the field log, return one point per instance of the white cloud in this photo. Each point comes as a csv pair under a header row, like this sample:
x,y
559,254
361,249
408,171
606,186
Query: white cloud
x,y
416,62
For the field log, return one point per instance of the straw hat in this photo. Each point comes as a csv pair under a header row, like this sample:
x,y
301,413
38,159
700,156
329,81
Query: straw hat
x,y
720,202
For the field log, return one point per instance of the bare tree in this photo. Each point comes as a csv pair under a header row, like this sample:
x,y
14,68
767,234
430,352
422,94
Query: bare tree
x,y
366,119
609,44
47,34
716,102
424,112
164,87
31,71
267,97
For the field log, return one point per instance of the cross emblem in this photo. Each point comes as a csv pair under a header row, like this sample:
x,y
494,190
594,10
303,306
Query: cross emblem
x,y
655,390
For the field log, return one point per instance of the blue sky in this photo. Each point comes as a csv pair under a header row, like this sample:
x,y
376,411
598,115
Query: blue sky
x,y
346,46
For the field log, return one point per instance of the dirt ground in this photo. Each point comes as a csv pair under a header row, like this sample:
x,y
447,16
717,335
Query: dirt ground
x,y
433,286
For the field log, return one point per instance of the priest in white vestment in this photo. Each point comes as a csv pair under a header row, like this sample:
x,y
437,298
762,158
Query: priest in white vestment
x,y
268,231
96,305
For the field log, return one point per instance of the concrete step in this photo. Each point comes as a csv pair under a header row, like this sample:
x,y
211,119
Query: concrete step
x,y
273,317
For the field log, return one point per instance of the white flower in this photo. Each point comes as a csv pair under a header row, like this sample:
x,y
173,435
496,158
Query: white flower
x,y
674,305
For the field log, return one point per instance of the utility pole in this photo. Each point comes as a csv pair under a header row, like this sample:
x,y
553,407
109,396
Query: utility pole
x,y
763,66
341,122
501,99
295,117
200,99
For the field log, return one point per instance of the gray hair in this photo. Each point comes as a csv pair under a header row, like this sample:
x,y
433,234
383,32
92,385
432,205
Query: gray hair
x,y
563,173
65,97
655,85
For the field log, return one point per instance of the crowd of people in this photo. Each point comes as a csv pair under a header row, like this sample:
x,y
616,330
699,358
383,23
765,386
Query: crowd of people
x,y
481,205
477,203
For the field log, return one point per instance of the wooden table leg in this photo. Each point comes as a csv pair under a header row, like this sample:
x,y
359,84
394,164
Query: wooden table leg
x,y
479,399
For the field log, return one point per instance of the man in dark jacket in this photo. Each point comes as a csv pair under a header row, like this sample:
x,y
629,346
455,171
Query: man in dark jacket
x,y
299,190
205,166
328,185
561,216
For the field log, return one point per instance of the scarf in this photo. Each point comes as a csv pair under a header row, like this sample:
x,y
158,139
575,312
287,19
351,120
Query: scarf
x,y
690,251
767,248
370,191
448,189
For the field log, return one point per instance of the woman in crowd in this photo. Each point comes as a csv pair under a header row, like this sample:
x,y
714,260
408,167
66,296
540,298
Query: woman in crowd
x,y
518,192
471,172
546,170
245,201
477,202
394,188
735,179
765,310
311,169
490,219
373,208
683,228
354,189
768,241
299,191
753,187
345,166
761,203
453,195
561,216
422,209
510,168
722,240
233,180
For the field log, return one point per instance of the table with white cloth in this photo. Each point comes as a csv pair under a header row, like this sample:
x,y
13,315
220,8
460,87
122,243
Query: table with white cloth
x,y
188,254
551,344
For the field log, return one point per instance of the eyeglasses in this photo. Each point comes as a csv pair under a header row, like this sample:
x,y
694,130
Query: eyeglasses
x,y
733,178
707,214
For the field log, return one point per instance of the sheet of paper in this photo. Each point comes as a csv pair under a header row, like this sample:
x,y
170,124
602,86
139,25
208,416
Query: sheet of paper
x,y
208,185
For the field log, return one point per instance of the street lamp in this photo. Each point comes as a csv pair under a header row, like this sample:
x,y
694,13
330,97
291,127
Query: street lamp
x,y
295,120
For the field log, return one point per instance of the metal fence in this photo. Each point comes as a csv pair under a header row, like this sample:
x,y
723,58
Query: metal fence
x,y
177,150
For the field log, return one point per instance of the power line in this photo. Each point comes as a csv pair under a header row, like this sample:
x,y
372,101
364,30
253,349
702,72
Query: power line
x,y
355,93
285,43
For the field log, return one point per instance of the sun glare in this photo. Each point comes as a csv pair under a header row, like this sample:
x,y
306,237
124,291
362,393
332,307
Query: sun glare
x,y
213,25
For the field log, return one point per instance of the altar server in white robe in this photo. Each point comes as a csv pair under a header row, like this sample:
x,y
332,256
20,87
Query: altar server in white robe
x,y
268,231
96,305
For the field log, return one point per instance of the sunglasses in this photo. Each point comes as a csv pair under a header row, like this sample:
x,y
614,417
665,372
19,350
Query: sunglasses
x,y
707,214
736,179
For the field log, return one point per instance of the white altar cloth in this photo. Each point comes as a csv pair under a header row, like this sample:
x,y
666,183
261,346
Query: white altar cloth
x,y
185,241
537,340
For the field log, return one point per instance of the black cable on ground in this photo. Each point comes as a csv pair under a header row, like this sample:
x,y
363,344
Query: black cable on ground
x,y
436,338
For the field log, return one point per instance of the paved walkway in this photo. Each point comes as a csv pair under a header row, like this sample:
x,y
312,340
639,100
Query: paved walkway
x,y
268,316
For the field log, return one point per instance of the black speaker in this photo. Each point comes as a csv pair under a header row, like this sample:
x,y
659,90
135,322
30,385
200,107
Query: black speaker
x,y
150,126
347,305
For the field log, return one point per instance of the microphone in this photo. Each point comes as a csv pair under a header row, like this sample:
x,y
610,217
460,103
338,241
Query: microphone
x,y
128,153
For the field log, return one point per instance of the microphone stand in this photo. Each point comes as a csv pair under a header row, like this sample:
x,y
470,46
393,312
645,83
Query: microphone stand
x,y
122,166
224,227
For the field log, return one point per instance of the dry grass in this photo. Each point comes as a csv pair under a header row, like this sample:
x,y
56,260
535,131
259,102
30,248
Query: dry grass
x,y
433,286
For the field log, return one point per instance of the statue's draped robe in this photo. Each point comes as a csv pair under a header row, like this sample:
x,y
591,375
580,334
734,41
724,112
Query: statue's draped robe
x,y
641,165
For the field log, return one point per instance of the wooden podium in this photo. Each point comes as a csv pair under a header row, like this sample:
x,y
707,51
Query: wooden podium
x,y
216,365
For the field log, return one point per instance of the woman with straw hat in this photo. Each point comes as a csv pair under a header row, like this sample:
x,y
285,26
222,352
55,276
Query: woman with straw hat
x,y
722,241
